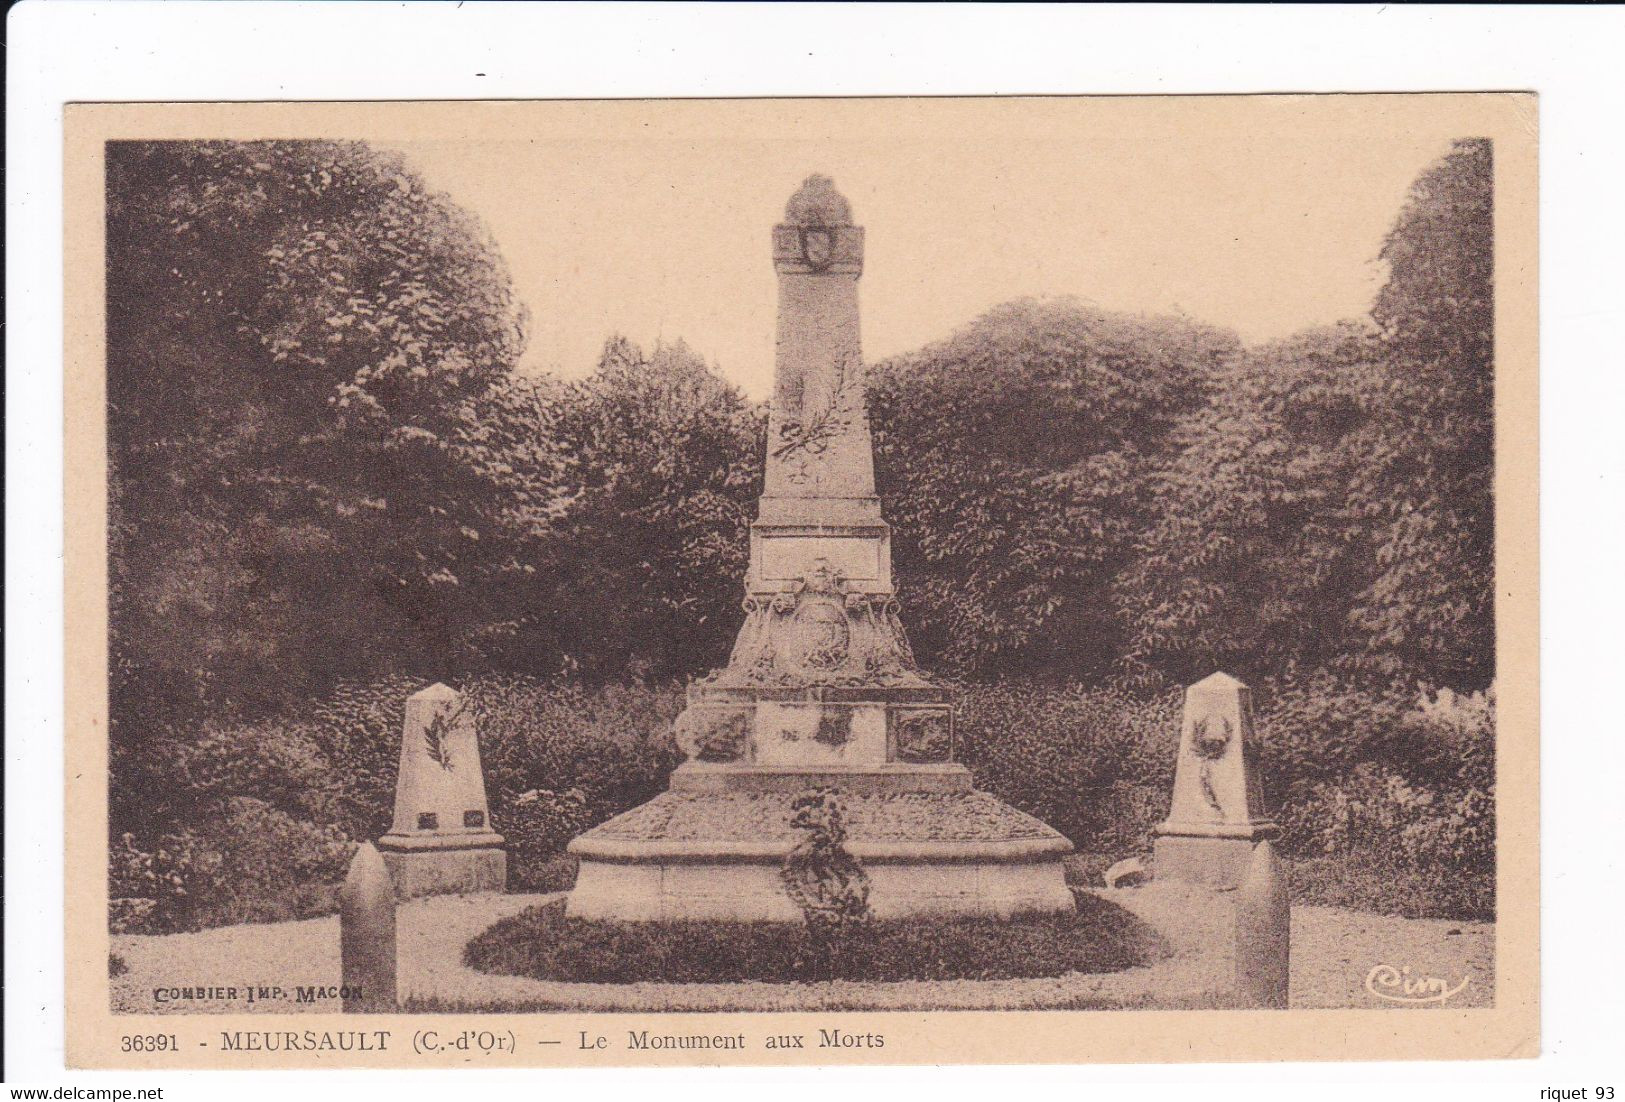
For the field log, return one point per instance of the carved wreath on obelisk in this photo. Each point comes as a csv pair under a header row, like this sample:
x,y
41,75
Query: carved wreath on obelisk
x,y
1209,742
817,246
714,734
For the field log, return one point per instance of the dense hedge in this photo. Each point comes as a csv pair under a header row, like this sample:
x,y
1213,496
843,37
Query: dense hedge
x,y
1388,800
1095,765
542,943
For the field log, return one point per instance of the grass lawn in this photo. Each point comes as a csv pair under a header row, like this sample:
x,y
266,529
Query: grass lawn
x,y
542,943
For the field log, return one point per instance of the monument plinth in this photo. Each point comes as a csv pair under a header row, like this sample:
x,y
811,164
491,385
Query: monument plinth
x,y
821,690
1217,812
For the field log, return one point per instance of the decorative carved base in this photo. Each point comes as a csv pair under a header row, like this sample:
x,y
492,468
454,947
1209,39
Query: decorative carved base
x,y
821,676
819,631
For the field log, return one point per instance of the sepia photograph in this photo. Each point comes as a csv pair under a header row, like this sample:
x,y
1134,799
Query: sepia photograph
x,y
832,558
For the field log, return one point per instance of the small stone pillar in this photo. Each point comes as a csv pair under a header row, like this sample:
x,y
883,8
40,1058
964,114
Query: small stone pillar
x,y
1264,932
367,935
1217,814
441,840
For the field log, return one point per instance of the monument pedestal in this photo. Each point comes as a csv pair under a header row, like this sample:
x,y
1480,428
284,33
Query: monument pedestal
x,y
444,865
711,848
1218,860
821,691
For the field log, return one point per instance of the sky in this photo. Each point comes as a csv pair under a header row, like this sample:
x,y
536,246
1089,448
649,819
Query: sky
x,y
1264,221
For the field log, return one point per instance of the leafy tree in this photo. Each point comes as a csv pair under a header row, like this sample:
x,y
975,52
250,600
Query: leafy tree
x,y
1430,602
665,468
1331,505
306,348
1250,562
1012,462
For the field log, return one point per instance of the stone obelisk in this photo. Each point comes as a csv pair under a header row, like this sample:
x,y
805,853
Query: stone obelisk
x,y
441,839
1217,814
821,690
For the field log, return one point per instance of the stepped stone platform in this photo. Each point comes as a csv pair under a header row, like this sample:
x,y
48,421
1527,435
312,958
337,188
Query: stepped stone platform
x,y
930,845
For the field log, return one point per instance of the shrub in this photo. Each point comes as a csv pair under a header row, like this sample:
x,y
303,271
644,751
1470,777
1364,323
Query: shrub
x,y
1317,726
1130,810
129,915
560,758
1097,765
280,764
536,826
162,876
1414,833
552,874
1373,882
1453,737
540,942
358,728
253,863
251,820
1376,809
1387,800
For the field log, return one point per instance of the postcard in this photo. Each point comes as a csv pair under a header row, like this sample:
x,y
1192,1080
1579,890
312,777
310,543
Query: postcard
x,y
938,580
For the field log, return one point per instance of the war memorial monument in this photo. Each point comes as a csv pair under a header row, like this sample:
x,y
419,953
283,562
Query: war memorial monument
x,y
821,692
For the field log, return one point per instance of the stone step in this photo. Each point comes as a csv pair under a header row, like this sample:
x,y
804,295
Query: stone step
x,y
722,777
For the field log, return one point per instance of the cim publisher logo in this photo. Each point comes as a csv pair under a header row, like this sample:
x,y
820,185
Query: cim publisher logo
x,y
1397,985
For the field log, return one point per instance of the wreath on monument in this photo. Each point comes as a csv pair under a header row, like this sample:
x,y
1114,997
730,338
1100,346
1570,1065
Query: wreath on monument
x,y
825,880
1209,745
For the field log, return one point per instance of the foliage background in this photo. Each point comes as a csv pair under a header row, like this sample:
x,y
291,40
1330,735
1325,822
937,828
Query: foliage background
x,y
329,487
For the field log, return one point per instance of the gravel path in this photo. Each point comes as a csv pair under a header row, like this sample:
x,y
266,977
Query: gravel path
x,y
1334,951
431,934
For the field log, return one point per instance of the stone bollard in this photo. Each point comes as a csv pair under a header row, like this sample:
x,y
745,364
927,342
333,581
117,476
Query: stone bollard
x,y
1264,932
367,935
